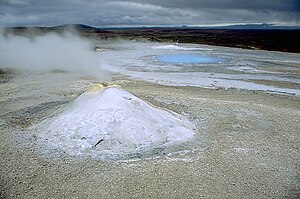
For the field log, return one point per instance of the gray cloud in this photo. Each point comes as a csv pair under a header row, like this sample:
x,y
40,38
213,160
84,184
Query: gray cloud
x,y
275,5
147,12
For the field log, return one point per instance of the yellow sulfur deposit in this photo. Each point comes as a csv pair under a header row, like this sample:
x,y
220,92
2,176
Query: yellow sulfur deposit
x,y
101,86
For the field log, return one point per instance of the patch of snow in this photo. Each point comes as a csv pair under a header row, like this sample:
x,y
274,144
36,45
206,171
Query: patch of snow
x,y
247,69
206,80
175,47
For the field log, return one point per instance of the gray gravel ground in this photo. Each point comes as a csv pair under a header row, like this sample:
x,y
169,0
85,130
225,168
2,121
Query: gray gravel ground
x,y
250,145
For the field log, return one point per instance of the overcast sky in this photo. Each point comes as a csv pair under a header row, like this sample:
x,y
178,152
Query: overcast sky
x,y
148,12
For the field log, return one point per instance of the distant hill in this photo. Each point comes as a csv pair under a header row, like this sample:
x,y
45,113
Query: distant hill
x,y
258,27
59,28
76,26
263,26
80,28
250,36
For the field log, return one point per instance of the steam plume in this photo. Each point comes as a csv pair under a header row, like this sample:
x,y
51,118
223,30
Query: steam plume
x,y
52,51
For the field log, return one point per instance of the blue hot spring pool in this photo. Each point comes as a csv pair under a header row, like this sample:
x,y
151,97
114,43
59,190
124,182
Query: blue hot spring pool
x,y
187,59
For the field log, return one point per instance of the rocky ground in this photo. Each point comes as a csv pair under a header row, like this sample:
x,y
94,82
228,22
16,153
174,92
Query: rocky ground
x,y
250,145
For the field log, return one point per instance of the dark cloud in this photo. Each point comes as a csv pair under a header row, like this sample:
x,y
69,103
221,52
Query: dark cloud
x,y
147,12
275,5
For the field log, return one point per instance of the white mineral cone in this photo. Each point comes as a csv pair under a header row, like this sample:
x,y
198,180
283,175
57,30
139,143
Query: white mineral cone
x,y
114,122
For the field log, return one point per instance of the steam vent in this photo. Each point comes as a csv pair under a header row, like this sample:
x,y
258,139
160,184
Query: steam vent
x,y
109,123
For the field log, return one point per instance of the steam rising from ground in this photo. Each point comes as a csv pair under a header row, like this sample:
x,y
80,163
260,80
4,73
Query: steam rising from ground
x,y
49,52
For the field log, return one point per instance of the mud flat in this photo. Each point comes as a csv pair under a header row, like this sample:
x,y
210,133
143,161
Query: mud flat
x,y
249,145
